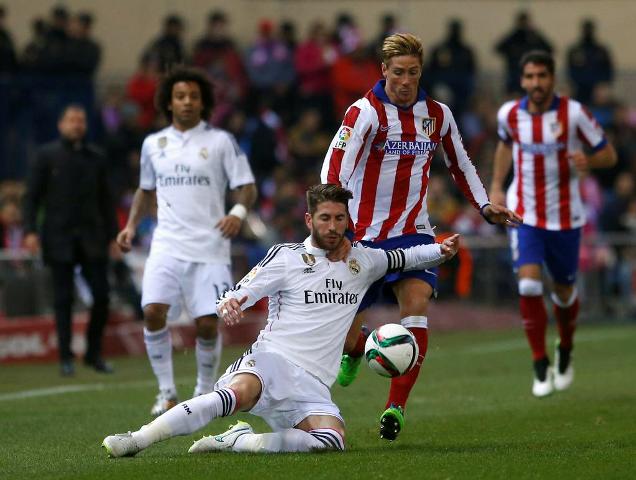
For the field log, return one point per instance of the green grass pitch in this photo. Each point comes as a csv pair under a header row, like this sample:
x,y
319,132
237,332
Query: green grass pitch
x,y
470,416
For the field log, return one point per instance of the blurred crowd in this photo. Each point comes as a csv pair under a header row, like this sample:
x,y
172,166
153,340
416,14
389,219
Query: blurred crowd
x,y
282,96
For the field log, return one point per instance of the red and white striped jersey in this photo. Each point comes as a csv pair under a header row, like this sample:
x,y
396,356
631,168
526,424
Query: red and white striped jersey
x,y
545,188
383,153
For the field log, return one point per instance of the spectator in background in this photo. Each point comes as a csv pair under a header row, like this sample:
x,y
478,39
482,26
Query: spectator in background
x,y
589,63
11,231
352,75
270,67
32,55
69,207
83,52
287,34
167,49
308,142
313,61
452,65
388,26
8,61
141,89
217,55
54,56
523,38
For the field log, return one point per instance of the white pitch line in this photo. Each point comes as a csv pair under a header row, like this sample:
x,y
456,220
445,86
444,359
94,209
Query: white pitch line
x,y
64,389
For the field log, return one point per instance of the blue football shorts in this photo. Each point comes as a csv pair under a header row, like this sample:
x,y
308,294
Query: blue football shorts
x,y
383,285
557,249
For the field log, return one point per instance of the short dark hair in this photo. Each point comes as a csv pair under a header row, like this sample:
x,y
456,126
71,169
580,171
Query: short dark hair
x,y
318,194
540,57
184,74
71,106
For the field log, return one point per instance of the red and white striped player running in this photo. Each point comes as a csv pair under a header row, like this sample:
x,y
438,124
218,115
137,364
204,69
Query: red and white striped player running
x,y
543,136
382,153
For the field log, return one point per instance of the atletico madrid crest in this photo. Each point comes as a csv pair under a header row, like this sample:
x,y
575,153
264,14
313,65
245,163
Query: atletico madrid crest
x,y
428,125
556,128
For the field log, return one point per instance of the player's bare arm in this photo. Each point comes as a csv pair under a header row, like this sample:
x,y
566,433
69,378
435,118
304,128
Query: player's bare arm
x,y
605,158
142,203
245,196
501,167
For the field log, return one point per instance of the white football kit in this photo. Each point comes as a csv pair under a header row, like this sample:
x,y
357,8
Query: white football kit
x,y
312,303
190,172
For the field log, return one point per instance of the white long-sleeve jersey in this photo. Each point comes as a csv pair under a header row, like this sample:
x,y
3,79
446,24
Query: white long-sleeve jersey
x,y
312,301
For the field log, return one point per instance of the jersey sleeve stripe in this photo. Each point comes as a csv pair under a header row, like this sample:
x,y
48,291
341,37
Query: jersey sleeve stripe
x,y
451,150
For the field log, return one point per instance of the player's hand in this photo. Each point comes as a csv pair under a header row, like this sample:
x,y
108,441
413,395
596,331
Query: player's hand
x,y
125,238
450,246
501,215
32,243
342,252
580,161
230,226
230,311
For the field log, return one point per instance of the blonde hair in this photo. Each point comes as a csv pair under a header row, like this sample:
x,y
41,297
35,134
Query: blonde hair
x,y
400,44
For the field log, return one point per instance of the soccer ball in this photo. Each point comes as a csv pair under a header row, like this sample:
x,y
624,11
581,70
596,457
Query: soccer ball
x,y
391,350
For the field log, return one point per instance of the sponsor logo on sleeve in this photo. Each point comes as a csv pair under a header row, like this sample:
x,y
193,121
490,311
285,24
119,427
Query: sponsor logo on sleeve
x,y
344,134
250,276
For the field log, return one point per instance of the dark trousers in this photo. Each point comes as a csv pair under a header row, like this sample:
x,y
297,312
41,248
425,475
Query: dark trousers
x,y
95,273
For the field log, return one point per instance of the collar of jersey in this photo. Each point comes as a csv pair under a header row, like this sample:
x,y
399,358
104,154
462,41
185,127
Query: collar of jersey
x,y
523,104
378,91
315,251
188,133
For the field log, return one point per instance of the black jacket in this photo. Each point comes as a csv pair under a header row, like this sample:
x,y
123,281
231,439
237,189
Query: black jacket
x,y
69,203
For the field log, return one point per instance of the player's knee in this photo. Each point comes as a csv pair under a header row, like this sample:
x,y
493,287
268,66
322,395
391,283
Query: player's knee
x,y
155,316
206,327
247,387
529,287
413,305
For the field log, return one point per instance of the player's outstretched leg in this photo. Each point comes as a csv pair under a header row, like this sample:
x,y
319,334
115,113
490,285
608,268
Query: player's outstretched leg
x,y
241,438
159,349
185,418
350,362
392,419
566,314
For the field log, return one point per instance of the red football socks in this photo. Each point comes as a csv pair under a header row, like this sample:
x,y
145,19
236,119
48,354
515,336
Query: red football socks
x,y
566,323
535,323
401,386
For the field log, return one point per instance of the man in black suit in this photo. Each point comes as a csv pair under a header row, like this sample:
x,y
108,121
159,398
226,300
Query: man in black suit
x,y
68,200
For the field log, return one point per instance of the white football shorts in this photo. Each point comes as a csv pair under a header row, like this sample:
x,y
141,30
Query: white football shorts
x,y
175,282
289,393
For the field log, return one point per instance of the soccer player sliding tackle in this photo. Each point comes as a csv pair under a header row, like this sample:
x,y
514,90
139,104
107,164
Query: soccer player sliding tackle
x,y
284,377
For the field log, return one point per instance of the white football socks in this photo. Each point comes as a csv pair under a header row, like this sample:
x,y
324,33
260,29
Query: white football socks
x,y
208,353
187,417
159,349
290,440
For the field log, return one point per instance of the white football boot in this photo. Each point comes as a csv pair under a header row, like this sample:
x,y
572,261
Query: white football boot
x,y
223,441
542,369
563,374
163,402
120,445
